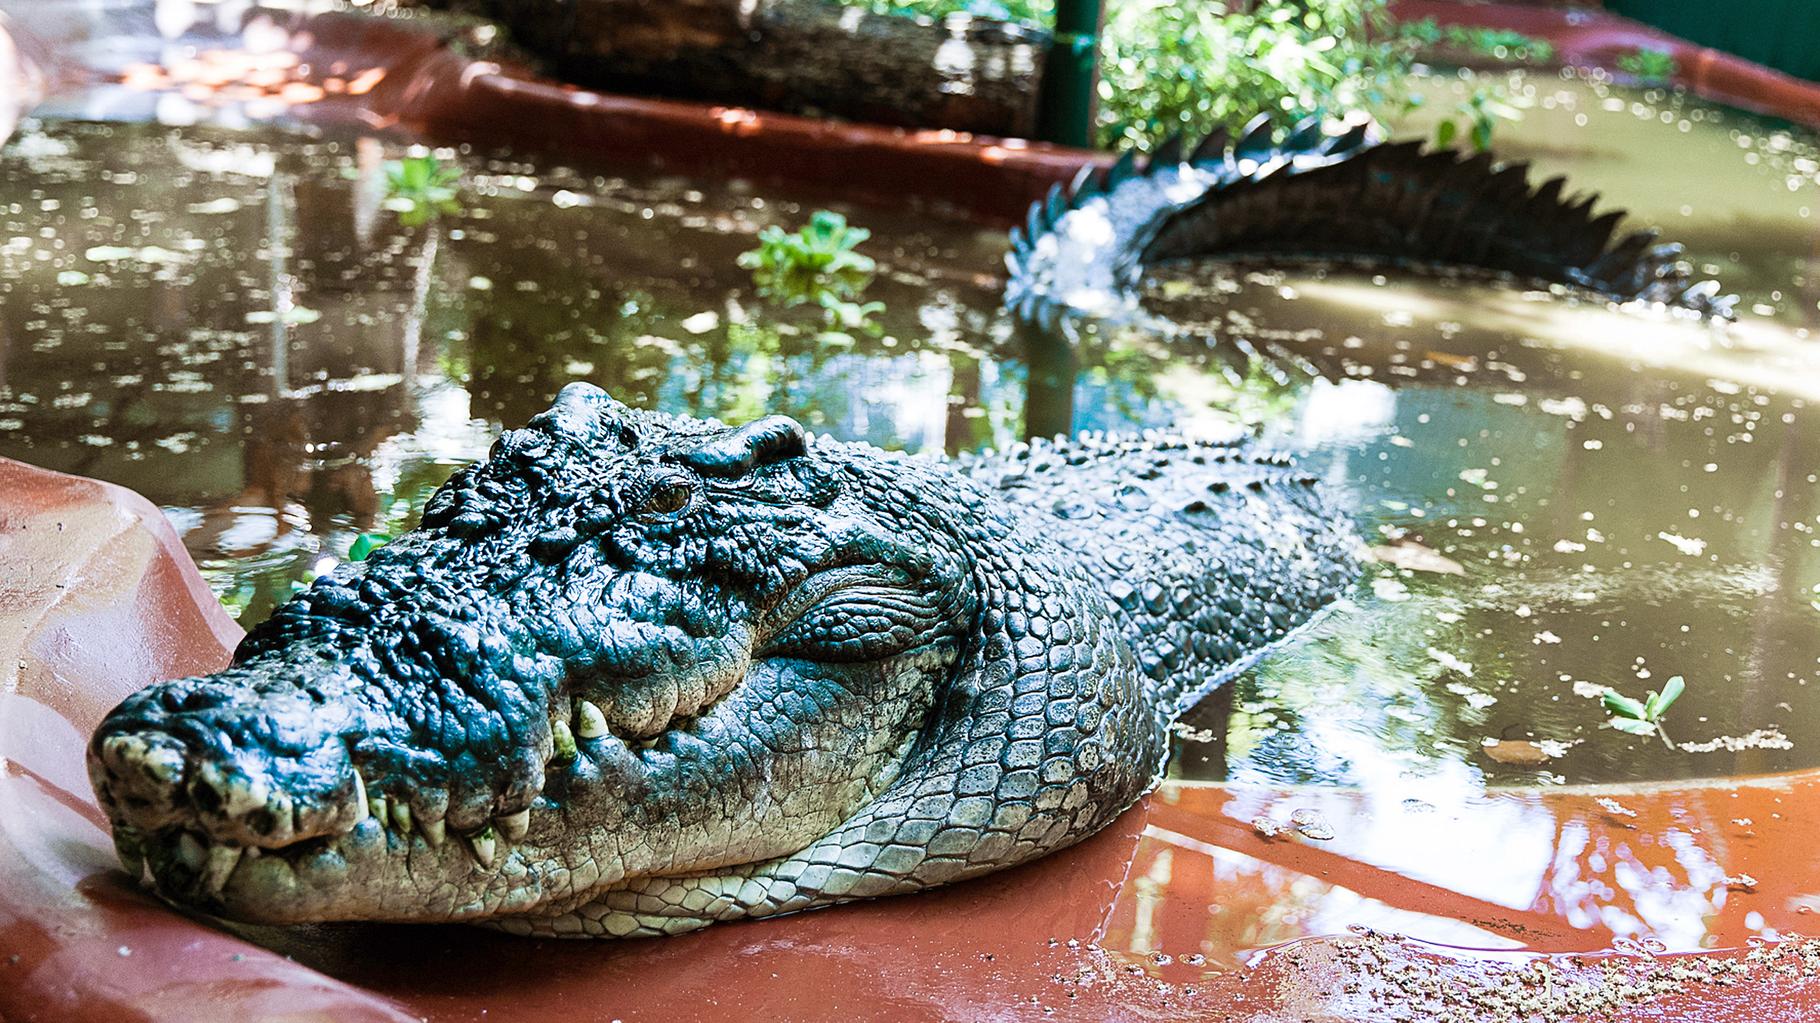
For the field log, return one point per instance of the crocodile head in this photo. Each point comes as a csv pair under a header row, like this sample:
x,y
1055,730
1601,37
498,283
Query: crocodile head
x,y
625,646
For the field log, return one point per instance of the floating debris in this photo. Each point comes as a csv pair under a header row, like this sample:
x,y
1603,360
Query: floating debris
x,y
1450,662
1762,738
1415,557
1311,824
1689,546
1614,807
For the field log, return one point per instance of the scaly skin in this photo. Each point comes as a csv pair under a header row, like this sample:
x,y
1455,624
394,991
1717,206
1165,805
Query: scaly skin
x,y
1319,196
636,674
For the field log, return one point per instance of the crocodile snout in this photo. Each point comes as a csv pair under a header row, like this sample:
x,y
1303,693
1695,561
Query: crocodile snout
x,y
222,774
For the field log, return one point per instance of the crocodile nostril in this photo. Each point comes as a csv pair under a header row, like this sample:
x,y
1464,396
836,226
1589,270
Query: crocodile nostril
x,y
262,822
207,798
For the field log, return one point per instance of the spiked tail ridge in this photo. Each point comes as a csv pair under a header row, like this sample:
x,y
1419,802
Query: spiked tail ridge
x,y
1329,195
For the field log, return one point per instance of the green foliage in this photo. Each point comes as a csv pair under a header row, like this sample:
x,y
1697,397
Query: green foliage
x,y
817,266
1649,65
420,188
1179,67
1170,67
1644,718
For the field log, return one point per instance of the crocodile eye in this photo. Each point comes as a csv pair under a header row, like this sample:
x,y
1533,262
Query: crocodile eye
x,y
666,498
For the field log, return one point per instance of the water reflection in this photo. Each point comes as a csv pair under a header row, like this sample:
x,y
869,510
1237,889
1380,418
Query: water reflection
x,y
1443,861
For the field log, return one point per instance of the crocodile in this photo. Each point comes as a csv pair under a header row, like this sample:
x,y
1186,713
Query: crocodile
x,y
637,673
1312,191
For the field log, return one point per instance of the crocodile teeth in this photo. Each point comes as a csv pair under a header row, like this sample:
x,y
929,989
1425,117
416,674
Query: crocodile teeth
x,y
563,740
485,845
434,831
191,851
381,808
590,723
401,816
146,879
360,798
513,826
222,861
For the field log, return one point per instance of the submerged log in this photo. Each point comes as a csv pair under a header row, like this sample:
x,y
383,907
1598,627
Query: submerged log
x,y
795,56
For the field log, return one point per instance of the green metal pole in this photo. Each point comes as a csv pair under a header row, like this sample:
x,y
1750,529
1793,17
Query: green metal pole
x,y
1070,74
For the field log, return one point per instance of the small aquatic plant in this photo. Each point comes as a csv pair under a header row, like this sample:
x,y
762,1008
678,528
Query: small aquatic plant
x,y
1650,66
1644,717
1477,116
816,265
421,187
1499,43
365,544
1031,11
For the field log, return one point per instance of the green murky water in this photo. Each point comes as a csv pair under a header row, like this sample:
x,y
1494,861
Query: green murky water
x,y
1566,497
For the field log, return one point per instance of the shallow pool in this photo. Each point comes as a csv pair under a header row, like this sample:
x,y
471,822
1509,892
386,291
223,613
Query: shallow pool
x,y
1561,497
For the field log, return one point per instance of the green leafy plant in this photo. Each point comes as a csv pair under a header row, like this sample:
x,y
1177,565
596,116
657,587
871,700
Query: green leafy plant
x,y
1649,65
420,188
1477,116
817,265
1168,67
1643,718
1171,67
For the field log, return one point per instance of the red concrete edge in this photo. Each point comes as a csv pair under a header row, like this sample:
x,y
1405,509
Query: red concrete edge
x,y
441,95
1597,38
30,487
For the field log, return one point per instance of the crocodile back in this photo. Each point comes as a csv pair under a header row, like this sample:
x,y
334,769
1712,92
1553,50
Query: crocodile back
x,y
1207,553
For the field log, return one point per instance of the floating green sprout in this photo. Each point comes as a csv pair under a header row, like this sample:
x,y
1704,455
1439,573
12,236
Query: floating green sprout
x,y
1649,66
365,544
1479,115
1645,717
420,188
818,266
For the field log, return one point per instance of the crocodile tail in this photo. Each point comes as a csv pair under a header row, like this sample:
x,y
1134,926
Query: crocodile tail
x,y
1321,195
